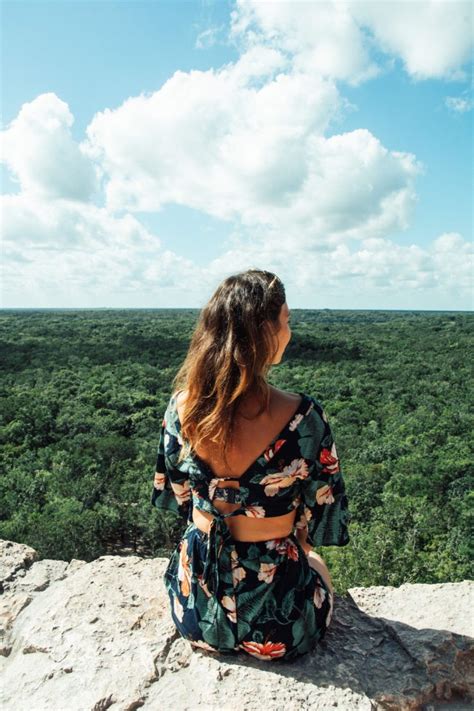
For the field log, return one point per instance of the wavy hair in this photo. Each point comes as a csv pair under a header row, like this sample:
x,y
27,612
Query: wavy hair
x,y
230,353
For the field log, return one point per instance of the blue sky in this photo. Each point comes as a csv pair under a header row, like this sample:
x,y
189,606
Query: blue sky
x,y
153,148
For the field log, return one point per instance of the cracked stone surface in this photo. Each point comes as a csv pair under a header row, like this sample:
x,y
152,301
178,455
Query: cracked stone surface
x,y
91,636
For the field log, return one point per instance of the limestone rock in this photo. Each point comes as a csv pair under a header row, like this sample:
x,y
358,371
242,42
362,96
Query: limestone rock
x,y
88,636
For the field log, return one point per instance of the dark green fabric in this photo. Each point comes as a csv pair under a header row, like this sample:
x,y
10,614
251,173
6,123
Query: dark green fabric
x,y
299,469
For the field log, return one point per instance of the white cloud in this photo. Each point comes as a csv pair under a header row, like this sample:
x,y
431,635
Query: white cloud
x,y
215,142
39,150
54,239
64,245
209,37
433,39
459,104
377,268
249,142
321,37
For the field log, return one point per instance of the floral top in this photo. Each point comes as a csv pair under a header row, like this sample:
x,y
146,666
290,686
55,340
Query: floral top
x,y
298,469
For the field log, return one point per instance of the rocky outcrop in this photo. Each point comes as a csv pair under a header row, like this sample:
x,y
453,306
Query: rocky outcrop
x,y
91,636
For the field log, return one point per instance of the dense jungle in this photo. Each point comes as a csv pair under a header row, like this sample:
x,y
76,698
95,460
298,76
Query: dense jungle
x,y
84,392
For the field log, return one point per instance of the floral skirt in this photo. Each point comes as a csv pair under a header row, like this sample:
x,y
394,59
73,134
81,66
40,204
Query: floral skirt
x,y
270,602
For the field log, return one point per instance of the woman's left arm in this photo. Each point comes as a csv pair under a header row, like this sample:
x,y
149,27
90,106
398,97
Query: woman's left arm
x,y
171,488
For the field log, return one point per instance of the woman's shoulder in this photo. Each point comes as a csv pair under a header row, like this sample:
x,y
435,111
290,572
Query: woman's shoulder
x,y
308,414
284,401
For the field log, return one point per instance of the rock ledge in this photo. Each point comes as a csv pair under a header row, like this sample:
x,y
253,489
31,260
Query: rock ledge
x,y
91,636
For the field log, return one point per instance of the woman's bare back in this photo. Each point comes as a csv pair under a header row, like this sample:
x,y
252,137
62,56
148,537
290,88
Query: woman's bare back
x,y
252,435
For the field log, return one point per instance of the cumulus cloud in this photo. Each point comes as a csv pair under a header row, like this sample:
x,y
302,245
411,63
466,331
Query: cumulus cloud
x,y
253,154
253,142
374,268
39,151
70,248
210,141
54,239
432,38
340,40
321,38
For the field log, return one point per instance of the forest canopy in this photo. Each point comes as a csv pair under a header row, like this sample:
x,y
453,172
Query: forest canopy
x,y
84,392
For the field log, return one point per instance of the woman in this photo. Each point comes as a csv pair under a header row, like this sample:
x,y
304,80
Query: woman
x,y
254,473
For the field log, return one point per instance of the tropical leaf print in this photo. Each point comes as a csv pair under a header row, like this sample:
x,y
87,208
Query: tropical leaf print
x,y
266,600
288,603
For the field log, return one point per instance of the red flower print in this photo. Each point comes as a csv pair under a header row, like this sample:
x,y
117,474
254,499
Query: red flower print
x,y
271,451
329,460
284,546
292,551
268,650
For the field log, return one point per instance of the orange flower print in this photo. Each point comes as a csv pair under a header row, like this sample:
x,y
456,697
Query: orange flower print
x,y
324,495
181,491
204,586
267,571
311,405
184,572
228,602
271,451
295,422
308,514
331,607
298,469
302,521
159,481
203,645
178,608
292,550
284,546
267,650
255,511
319,595
329,460
238,573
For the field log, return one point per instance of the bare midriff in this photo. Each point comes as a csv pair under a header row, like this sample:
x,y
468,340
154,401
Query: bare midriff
x,y
243,528
267,425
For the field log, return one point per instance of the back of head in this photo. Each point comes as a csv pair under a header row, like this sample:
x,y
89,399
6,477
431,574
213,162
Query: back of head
x,y
230,354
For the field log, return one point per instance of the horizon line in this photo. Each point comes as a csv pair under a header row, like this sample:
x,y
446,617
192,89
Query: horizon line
x,y
197,308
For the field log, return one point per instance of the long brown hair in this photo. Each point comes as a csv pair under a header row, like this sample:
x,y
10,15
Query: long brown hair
x,y
230,354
